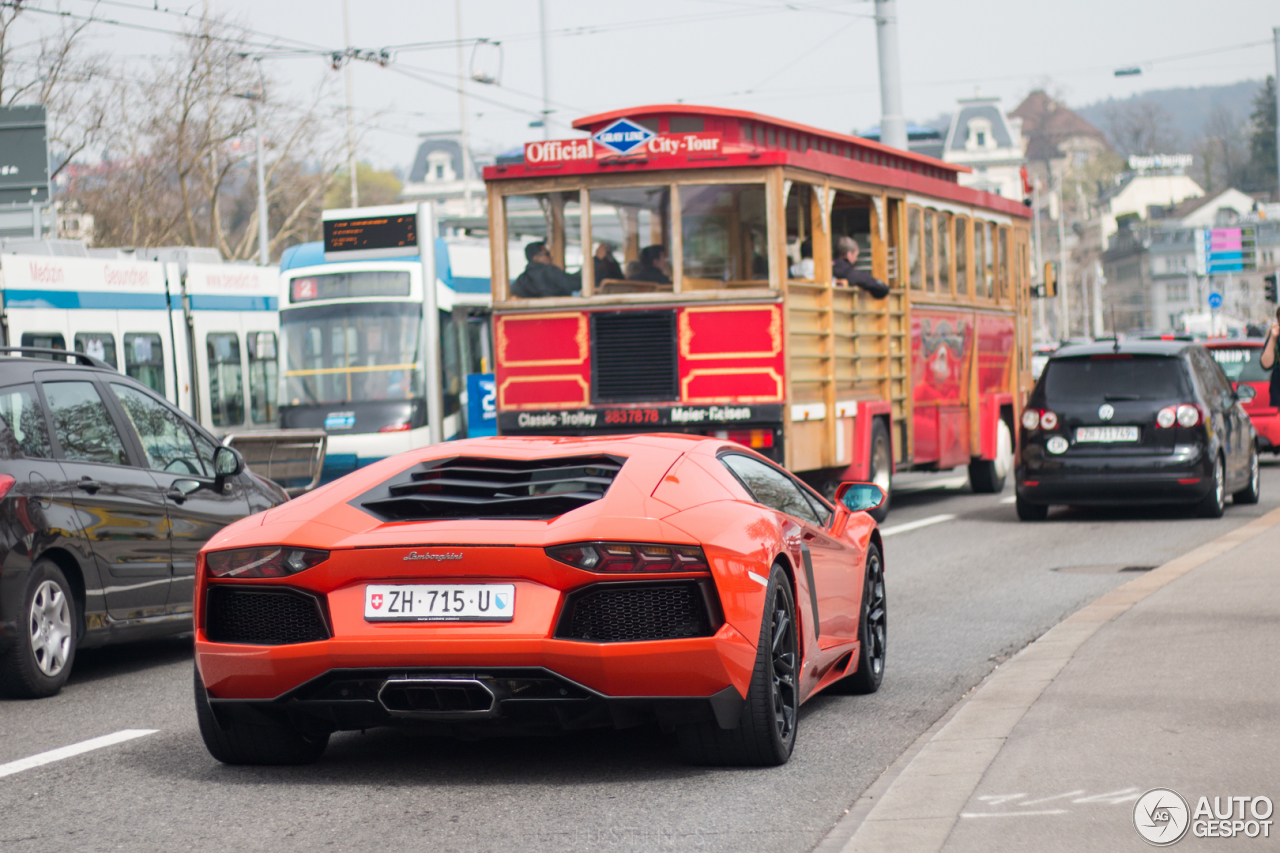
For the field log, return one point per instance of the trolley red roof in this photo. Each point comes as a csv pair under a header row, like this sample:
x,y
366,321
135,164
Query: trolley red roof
x,y
684,136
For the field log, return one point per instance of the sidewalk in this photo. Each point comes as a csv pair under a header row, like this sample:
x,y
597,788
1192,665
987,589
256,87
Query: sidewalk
x,y
1171,681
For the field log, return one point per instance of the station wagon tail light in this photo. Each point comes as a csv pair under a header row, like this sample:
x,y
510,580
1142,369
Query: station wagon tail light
x,y
270,562
1189,415
630,557
1048,420
1030,418
1167,417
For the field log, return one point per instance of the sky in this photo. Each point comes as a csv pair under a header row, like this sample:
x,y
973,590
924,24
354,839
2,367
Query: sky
x,y
812,61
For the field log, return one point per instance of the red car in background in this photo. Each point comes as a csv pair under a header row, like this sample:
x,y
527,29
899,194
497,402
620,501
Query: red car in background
x,y
1240,359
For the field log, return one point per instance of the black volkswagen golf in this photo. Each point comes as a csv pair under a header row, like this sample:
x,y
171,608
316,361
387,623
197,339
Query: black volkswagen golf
x,y
107,492
1135,422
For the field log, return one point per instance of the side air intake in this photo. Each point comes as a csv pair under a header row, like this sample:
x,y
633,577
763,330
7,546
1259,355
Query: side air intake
x,y
478,487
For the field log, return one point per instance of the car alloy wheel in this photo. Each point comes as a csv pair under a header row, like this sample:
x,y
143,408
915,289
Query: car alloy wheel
x,y
50,625
873,632
1214,503
1251,493
784,696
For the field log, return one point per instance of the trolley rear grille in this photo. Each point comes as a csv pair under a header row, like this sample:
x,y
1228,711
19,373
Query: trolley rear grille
x,y
634,357
263,618
613,613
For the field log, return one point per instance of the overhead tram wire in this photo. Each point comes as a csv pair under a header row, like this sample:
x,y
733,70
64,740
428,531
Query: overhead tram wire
x,y
197,18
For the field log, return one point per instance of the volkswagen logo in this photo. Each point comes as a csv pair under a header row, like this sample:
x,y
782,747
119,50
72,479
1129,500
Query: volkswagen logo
x,y
1106,411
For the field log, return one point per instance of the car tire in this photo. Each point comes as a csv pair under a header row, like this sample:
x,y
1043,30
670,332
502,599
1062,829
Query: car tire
x,y
1028,511
1214,504
1251,493
766,730
237,741
880,466
987,476
873,630
39,663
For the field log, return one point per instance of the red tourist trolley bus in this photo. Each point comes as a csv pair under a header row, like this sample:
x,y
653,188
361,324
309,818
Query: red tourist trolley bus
x,y
693,291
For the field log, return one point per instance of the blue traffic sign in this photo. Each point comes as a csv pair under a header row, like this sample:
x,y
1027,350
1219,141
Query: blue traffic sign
x,y
482,408
1215,300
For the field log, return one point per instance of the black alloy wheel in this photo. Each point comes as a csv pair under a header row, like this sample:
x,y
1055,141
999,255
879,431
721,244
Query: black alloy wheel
x,y
1251,493
1215,503
766,731
873,632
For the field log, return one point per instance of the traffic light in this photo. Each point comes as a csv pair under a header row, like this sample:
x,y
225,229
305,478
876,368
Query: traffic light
x,y
1270,286
1050,279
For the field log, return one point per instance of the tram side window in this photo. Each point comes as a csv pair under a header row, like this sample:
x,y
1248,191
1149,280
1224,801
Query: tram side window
x,y
962,257
930,275
980,260
226,385
944,253
1003,270
989,256
144,359
914,269
452,375
99,345
636,220
723,235
44,340
544,252
262,376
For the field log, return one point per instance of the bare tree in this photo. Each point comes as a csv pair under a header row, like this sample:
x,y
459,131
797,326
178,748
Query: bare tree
x,y
1141,127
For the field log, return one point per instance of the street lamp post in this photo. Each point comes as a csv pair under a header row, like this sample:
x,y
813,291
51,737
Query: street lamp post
x,y
264,247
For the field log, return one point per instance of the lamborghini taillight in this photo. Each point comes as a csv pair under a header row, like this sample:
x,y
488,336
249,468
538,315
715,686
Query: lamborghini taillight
x,y
630,557
273,561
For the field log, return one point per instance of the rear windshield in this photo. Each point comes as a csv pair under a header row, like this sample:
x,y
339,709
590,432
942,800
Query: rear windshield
x,y
1110,378
1241,364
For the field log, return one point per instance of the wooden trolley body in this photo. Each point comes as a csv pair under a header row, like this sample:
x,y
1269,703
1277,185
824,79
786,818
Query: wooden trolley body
x,y
756,347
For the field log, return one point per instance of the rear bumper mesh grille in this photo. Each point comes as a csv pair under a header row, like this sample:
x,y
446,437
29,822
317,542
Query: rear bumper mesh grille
x,y
630,612
263,617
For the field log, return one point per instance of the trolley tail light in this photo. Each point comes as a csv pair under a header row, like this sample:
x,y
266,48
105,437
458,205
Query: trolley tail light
x,y
275,561
630,557
6,483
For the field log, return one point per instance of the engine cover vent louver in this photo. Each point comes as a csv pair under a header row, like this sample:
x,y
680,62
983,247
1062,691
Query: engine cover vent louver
x,y
480,487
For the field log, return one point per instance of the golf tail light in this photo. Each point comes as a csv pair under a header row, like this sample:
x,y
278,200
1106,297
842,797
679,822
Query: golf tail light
x,y
1030,418
1167,417
274,561
1048,420
630,557
1189,415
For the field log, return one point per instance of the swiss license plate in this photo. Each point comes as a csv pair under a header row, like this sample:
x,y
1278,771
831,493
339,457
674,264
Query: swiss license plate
x,y
1107,433
491,602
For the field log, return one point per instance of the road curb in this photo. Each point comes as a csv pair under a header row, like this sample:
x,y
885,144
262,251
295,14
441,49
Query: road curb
x,y
914,805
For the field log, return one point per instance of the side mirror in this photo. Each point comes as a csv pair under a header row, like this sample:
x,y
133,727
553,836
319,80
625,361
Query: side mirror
x,y
860,497
227,463
1245,393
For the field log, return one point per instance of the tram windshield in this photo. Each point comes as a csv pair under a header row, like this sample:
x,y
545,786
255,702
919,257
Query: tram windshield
x,y
352,352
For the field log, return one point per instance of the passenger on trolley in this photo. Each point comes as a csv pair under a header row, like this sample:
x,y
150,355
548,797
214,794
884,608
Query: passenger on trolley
x,y
543,278
842,269
654,266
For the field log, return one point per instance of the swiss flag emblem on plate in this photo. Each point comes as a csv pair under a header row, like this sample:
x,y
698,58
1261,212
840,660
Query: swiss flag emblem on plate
x,y
375,600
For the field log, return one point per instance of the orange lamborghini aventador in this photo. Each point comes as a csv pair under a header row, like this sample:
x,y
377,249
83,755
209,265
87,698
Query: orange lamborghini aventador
x,y
511,585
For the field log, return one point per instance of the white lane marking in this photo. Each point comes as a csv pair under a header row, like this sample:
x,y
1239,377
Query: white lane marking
x,y
1012,499
75,749
916,525
763,581
1012,814
935,483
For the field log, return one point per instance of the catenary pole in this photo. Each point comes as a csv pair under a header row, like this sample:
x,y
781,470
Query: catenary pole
x,y
893,125
351,137
264,248
1064,304
431,325
1275,35
462,114
546,72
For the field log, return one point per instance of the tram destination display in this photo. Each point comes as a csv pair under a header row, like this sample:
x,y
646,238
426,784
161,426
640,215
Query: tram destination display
x,y
371,232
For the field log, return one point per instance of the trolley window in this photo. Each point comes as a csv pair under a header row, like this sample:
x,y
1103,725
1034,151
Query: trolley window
x,y
724,232
963,288
914,269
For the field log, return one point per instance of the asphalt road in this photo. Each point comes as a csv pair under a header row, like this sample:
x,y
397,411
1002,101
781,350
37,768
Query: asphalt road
x,y
965,592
